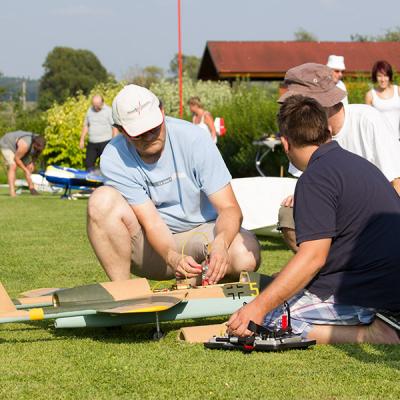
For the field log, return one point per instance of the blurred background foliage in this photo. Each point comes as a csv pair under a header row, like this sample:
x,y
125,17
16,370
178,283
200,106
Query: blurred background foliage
x,y
249,109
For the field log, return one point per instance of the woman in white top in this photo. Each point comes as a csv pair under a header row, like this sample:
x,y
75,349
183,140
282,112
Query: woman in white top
x,y
201,117
385,96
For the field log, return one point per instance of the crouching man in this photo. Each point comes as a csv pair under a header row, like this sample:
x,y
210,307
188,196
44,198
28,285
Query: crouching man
x,y
347,218
168,193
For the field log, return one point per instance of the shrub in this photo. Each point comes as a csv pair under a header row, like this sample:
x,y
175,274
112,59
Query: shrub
x,y
210,93
64,126
249,111
249,114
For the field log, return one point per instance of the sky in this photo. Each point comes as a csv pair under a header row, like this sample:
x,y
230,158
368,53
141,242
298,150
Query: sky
x,y
129,33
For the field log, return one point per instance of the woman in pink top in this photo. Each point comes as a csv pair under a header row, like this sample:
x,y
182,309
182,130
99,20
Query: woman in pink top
x,y
385,96
201,117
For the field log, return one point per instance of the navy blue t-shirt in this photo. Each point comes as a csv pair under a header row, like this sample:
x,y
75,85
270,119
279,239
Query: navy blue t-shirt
x,y
344,197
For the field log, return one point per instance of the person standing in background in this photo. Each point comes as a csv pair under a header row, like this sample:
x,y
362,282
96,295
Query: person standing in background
x,y
99,125
336,64
385,97
201,117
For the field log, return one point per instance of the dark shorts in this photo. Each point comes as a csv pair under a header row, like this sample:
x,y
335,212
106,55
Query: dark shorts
x,y
93,152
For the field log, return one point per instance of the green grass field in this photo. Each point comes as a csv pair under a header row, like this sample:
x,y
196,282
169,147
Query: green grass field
x,y
43,243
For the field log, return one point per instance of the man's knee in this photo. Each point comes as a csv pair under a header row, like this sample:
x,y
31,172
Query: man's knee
x,y
104,202
246,252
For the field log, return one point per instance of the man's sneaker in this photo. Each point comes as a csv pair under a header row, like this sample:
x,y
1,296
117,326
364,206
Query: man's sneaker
x,y
391,318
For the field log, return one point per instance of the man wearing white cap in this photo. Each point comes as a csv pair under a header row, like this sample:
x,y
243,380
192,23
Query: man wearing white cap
x,y
167,195
336,64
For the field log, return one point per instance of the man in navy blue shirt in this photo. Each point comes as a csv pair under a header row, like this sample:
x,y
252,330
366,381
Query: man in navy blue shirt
x,y
347,218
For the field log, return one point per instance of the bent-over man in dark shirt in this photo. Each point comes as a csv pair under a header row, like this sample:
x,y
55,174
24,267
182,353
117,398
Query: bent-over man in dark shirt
x,y
347,219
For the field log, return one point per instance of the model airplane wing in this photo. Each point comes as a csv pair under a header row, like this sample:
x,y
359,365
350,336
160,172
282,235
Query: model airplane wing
x,y
103,292
154,303
39,292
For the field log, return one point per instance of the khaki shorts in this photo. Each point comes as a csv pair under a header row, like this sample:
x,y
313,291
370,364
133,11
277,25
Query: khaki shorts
x,y
147,263
8,156
285,218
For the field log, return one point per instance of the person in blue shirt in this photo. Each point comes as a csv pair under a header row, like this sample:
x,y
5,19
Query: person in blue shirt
x,y
347,216
167,195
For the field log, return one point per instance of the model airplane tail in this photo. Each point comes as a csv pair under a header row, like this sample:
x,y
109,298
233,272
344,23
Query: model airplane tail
x,y
6,304
9,313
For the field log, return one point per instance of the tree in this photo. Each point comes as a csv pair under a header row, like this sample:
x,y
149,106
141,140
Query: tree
x,y
68,71
301,35
144,76
391,35
356,37
190,66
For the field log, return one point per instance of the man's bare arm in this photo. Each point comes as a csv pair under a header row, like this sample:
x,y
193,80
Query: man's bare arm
x,y
295,276
85,130
227,227
22,151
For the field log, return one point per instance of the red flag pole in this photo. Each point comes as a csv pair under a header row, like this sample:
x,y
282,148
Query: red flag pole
x,y
180,61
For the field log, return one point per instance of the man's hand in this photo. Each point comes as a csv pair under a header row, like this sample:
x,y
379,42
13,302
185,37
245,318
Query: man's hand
x,y
219,262
34,192
82,143
288,201
239,321
184,267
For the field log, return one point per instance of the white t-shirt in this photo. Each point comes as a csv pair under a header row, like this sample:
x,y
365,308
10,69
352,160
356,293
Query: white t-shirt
x,y
342,86
366,133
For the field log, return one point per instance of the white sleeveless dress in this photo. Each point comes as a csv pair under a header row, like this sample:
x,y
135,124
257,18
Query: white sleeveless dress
x,y
390,108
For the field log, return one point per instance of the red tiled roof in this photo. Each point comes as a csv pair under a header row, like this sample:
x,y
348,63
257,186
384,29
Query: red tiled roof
x,y
272,59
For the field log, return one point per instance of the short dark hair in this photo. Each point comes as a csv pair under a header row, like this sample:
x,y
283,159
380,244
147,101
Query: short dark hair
x,y
39,142
383,67
303,121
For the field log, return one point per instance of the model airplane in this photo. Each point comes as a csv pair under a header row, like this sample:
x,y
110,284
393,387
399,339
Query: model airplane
x,y
71,178
129,302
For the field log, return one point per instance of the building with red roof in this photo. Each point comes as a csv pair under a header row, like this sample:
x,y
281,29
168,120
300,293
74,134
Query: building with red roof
x,y
270,60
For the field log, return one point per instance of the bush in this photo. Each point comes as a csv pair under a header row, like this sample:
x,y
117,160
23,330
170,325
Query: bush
x,y
357,88
210,93
31,121
64,126
249,114
249,111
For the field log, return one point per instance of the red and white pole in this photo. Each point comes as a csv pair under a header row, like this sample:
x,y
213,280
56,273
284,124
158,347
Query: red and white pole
x,y
180,83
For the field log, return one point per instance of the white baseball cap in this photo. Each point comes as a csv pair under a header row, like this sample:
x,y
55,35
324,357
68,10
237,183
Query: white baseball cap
x,y
137,110
336,62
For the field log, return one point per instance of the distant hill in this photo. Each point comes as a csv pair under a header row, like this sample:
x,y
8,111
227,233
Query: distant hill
x,y
13,88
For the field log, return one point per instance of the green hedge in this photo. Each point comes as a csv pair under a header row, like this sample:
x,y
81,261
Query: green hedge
x,y
248,115
64,126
